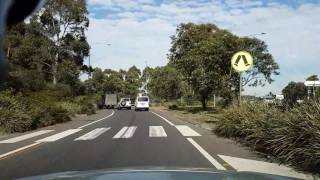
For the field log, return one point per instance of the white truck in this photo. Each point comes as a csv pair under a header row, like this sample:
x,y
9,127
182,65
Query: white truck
x,y
111,101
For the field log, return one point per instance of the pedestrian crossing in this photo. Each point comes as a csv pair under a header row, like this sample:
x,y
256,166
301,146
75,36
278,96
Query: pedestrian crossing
x,y
92,134
125,132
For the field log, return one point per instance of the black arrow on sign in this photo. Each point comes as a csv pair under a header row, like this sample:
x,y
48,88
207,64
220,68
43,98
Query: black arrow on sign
x,y
244,60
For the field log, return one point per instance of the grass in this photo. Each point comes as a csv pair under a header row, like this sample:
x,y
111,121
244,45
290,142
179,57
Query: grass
x,y
290,137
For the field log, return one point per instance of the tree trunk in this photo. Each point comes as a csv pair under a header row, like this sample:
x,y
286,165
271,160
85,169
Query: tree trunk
x,y
55,69
204,102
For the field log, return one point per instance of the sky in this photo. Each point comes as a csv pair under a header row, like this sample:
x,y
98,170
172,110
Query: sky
x,y
139,32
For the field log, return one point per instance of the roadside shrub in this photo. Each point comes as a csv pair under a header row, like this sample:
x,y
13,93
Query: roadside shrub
x,y
87,108
13,115
291,137
173,107
71,107
59,90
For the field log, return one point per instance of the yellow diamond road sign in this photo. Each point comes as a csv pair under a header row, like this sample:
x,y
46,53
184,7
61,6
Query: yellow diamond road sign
x,y
242,61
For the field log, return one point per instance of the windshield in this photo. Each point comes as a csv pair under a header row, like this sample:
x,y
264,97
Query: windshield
x,y
143,99
224,85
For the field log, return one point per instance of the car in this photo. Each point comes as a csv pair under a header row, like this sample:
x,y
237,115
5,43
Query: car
x,y
142,103
124,103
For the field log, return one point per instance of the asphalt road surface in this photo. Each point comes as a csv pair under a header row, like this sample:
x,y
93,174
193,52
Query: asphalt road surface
x,y
125,139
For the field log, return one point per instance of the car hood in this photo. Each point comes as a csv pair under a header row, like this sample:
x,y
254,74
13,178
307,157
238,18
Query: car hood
x,y
159,173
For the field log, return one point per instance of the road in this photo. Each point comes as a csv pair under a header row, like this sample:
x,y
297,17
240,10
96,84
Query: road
x,y
124,139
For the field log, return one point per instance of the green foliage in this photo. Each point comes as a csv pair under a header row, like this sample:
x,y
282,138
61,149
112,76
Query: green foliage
x,y
294,91
23,112
290,137
165,83
123,83
202,54
312,78
14,117
173,107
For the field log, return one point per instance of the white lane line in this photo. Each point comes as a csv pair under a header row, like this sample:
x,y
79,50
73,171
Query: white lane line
x,y
93,134
241,164
26,136
59,135
97,120
186,130
157,131
163,118
17,150
214,162
125,132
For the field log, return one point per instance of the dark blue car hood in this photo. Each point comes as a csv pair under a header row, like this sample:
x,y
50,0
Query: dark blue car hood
x,y
159,173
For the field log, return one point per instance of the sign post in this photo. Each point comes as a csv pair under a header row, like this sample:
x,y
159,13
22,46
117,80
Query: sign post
x,y
241,62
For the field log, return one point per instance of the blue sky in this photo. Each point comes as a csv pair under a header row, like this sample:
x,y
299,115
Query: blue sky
x,y
140,30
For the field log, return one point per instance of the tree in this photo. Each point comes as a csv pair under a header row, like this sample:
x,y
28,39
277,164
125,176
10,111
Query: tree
x,y
202,54
26,51
294,91
165,83
312,78
132,81
64,23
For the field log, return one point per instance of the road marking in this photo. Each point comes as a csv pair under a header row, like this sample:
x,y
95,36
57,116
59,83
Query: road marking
x,y
157,131
26,136
214,162
125,132
97,120
59,135
17,150
163,118
93,134
186,130
249,165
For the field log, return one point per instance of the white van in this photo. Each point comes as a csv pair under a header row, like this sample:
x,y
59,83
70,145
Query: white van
x,y
142,103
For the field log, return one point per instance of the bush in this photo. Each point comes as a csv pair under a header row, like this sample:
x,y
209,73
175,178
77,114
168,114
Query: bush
x,y
59,90
290,137
13,114
71,107
173,107
22,113
87,108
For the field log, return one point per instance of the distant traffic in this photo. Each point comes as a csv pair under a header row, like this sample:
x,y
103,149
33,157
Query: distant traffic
x,y
111,101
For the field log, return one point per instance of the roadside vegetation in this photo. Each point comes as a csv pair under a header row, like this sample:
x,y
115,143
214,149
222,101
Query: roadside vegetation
x,y
46,58
291,136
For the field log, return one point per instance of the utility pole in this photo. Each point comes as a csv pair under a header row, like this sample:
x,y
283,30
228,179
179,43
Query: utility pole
x,y
240,87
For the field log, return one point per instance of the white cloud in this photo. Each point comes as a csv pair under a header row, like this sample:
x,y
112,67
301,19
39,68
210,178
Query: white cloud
x,y
139,31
